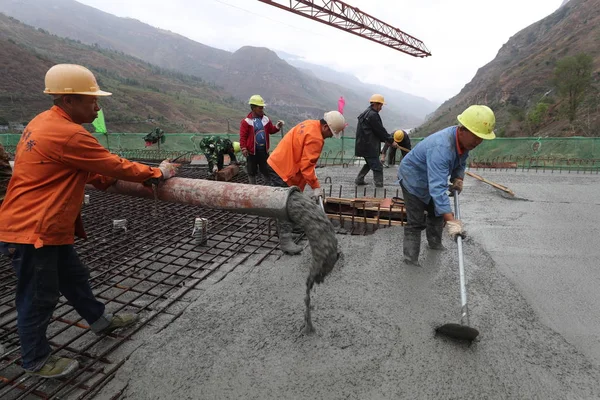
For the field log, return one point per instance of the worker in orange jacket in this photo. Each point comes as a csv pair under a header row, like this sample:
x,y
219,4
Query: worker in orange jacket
x,y
55,158
293,163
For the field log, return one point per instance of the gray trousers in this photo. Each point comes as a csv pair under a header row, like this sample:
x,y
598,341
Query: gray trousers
x,y
416,221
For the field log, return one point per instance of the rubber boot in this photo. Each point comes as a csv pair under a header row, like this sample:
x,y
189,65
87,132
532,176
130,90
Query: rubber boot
x,y
378,178
252,180
412,247
434,230
360,178
286,240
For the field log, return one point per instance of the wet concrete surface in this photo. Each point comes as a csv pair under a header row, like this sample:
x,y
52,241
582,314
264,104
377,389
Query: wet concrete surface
x,y
531,269
548,246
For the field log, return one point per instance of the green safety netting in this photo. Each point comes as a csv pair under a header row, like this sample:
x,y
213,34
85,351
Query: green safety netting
x,y
337,151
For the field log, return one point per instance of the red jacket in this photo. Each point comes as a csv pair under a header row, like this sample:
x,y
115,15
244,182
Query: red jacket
x,y
247,132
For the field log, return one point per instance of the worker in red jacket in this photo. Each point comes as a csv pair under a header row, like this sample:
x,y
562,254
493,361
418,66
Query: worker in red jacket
x,y
40,215
254,138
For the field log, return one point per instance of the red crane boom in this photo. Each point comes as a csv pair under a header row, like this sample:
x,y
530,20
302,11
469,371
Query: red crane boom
x,y
350,19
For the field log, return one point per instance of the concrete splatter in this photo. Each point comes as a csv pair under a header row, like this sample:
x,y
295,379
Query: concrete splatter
x,y
322,240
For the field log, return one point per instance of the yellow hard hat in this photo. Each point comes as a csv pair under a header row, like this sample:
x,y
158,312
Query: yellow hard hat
x,y
236,147
479,120
257,100
72,79
399,135
377,98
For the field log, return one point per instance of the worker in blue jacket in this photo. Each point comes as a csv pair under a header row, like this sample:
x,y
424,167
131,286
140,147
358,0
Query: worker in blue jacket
x,y
424,174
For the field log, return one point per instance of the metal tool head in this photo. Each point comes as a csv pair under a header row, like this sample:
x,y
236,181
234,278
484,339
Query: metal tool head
x,y
458,332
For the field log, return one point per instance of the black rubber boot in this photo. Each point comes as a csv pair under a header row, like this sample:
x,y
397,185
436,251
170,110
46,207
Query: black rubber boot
x,y
252,180
360,178
378,178
412,247
434,230
286,240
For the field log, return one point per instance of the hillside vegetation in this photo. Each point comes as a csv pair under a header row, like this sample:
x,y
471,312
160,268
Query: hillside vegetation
x,y
520,83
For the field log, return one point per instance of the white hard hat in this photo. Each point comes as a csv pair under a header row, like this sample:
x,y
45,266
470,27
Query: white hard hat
x,y
336,122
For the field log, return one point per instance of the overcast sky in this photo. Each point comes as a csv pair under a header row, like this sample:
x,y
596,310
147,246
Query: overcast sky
x,y
462,35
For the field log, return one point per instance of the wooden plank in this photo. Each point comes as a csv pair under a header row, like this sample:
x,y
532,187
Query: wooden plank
x,y
370,204
360,220
494,184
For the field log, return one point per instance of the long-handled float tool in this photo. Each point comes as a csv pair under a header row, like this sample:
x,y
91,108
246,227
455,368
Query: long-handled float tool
x,y
460,331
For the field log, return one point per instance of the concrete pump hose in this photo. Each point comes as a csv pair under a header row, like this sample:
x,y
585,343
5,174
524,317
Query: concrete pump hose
x,y
263,201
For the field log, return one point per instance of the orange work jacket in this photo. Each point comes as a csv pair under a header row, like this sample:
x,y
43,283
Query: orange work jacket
x,y
54,160
295,157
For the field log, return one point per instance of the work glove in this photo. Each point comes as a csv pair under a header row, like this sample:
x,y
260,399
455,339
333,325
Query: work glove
x,y
455,229
245,152
168,169
456,185
280,124
215,169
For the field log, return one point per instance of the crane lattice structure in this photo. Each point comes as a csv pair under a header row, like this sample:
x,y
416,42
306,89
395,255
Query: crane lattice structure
x,y
350,19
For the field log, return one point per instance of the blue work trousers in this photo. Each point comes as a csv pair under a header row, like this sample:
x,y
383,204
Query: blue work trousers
x,y
42,275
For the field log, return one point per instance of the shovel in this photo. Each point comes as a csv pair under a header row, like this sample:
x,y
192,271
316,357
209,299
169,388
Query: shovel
x,y
460,331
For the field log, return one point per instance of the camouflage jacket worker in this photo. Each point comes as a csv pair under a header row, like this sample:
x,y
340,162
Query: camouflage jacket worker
x,y
5,172
214,148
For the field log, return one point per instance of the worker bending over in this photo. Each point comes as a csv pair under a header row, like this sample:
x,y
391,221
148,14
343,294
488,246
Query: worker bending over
x,y
214,149
424,174
403,141
294,160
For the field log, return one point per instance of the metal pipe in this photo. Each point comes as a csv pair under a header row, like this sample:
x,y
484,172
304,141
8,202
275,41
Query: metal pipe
x,y
264,201
464,310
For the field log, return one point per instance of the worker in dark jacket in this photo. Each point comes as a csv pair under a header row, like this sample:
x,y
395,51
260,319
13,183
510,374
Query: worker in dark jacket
x,y
403,141
369,135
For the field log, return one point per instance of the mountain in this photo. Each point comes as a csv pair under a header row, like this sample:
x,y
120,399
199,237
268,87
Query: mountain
x,y
521,77
414,106
144,95
292,94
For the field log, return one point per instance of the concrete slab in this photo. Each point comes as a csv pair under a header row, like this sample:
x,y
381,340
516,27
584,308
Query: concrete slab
x,y
531,268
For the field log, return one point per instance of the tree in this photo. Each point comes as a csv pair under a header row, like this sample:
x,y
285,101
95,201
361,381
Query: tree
x,y
536,116
573,77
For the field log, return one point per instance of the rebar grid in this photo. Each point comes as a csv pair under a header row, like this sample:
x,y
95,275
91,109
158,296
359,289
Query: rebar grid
x,y
149,269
